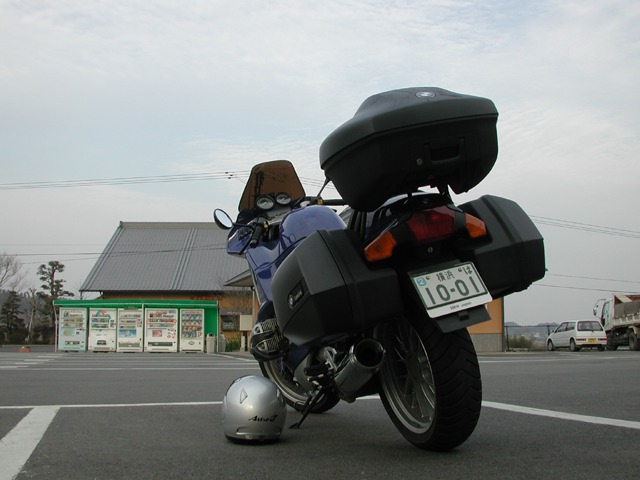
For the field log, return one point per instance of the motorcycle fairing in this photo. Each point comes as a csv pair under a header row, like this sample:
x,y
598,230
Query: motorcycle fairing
x,y
294,228
271,178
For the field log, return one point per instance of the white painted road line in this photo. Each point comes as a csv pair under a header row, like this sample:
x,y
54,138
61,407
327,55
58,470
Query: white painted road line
x,y
17,445
563,415
613,422
39,368
113,405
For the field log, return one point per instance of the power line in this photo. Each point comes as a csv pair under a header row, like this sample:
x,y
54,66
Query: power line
x,y
243,174
92,182
592,278
608,290
587,227
132,252
95,255
52,244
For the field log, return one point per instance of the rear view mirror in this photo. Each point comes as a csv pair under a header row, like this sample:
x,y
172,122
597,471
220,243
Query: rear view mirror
x,y
222,219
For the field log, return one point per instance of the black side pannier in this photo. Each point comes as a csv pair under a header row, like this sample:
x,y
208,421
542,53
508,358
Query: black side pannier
x,y
324,290
511,257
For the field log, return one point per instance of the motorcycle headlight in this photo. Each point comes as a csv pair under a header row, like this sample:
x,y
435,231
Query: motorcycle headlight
x,y
265,202
283,198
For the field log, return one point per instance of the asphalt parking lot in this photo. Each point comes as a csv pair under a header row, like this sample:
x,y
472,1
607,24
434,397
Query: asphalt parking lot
x,y
155,416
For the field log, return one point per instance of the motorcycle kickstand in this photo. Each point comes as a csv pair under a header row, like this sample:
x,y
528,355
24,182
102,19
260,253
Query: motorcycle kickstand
x,y
308,405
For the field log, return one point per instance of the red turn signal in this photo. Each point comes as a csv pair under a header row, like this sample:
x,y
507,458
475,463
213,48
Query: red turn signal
x,y
427,226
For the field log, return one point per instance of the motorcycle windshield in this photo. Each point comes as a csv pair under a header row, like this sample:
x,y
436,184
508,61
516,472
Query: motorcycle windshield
x,y
270,178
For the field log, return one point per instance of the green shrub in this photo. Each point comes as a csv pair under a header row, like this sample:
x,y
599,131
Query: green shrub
x,y
232,346
18,337
519,342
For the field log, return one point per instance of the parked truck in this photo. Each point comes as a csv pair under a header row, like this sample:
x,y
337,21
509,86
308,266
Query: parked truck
x,y
620,317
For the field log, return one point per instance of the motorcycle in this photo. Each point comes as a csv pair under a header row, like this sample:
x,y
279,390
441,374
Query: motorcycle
x,y
377,299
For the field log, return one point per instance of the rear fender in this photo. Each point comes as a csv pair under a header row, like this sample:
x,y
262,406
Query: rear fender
x,y
446,323
463,319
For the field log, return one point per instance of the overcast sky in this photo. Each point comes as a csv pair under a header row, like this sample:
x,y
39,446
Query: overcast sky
x,y
121,89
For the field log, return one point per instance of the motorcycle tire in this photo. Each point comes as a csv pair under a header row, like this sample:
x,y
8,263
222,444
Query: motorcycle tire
x,y
430,382
295,394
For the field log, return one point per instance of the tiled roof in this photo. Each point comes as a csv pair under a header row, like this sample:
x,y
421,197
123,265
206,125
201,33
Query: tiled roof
x,y
167,257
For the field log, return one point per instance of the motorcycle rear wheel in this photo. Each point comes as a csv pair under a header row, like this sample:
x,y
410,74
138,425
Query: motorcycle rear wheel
x,y
295,394
430,383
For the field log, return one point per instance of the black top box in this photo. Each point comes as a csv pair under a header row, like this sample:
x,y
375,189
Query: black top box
x,y
404,139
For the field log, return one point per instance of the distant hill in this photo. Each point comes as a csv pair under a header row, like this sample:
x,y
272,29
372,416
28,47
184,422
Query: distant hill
x,y
544,324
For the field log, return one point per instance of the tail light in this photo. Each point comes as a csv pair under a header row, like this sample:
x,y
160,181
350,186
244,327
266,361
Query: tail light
x,y
424,227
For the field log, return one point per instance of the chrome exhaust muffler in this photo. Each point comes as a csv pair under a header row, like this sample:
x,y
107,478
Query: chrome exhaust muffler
x,y
364,360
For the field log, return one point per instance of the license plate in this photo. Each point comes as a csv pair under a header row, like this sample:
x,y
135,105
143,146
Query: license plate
x,y
592,340
451,290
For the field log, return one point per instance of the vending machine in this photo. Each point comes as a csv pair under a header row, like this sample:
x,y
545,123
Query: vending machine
x,y
191,330
72,333
130,330
161,330
102,329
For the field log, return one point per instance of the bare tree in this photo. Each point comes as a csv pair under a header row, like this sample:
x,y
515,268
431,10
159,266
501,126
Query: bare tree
x,y
238,299
33,313
11,276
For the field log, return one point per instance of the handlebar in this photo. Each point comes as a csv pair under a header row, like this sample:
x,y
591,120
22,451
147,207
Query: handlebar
x,y
255,236
334,202
260,223
304,201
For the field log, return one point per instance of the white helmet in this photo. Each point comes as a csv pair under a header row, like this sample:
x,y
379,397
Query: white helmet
x,y
253,409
